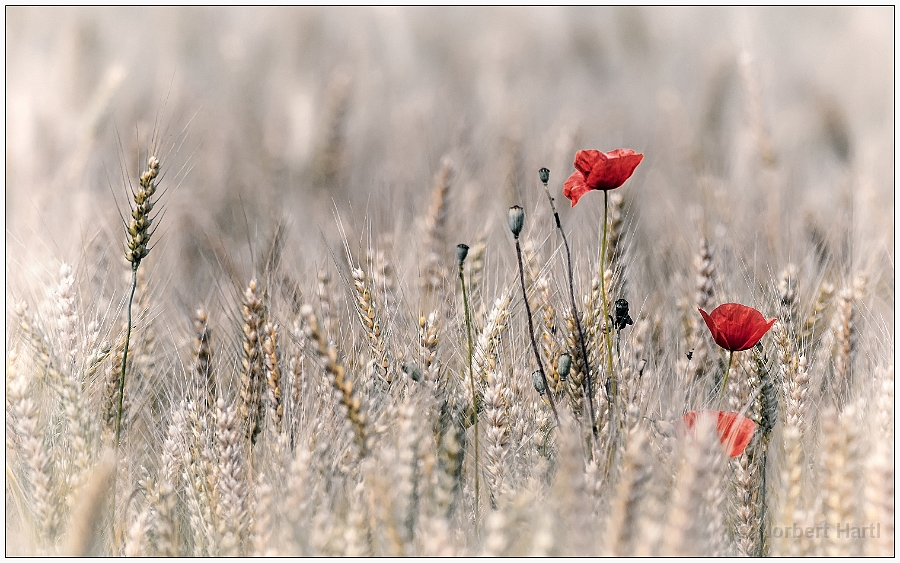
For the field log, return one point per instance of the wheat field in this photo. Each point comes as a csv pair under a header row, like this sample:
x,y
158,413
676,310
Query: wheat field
x,y
238,322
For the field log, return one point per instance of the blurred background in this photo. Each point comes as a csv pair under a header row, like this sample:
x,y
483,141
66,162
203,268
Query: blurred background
x,y
776,123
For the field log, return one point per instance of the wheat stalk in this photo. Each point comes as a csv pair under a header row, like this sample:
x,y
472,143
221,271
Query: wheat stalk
x,y
137,238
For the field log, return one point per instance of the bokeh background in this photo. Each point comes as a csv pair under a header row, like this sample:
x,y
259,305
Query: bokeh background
x,y
776,121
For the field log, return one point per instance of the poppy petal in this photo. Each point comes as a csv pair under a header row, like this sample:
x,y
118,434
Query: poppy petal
x,y
615,170
760,331
713,329
735,431
587,160
736,327
575,187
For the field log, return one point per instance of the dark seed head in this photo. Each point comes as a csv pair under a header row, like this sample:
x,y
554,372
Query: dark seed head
x,y
544,173
516,220
412,370
563,366
462,250
537,379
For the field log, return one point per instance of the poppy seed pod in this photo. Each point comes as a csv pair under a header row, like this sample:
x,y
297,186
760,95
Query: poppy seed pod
x,y
462,250
412,370
537,379
516,220
563,366
544,173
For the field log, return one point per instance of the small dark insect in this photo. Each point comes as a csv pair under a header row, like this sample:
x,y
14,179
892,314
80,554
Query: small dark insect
x,y
622,318
690,355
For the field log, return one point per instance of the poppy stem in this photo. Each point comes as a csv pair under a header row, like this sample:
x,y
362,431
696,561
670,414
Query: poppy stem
x,y
763,547
534,346
462,281
589,389
611,385
727,369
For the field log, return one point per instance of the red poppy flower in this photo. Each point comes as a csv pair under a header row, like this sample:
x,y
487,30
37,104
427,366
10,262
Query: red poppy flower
x,y
734,430
597,170
736,327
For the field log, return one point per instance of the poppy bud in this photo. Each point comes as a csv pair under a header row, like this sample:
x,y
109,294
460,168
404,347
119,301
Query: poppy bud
x,y
462,250
563,366
544,173
537,379
516,220
412,370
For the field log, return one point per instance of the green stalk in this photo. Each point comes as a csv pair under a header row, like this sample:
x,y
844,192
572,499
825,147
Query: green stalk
x,y
462,280
534,346
121,397
137,237
763,547
727,369
589,388
612,387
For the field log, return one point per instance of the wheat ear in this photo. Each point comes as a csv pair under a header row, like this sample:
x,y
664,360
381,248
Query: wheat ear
x,y
693,527
86,521
137,238
33,450
704,293
273,375
349,399
231,481
435,230
369,318
203,360
250,408
496,433
631,490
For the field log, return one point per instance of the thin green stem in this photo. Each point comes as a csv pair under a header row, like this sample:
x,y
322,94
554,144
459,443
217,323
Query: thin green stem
x,y
462,281
119,408
611,388
534,346
727,369
120,400
589,385
763,551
